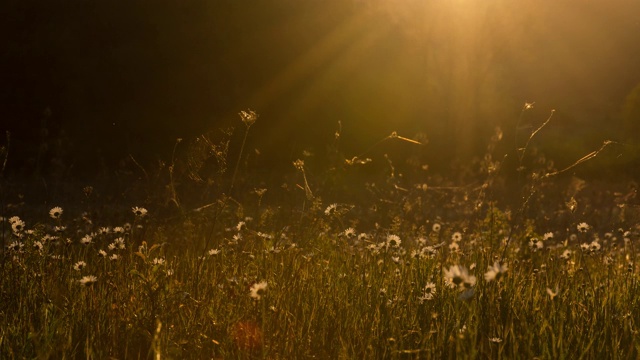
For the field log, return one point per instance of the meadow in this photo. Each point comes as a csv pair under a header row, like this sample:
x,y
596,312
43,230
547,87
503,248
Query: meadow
x,y
201,258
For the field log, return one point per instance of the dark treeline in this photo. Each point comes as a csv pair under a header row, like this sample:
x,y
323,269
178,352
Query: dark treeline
x,y
112,78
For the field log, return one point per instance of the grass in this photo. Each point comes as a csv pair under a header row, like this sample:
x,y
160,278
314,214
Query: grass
x,y
345,277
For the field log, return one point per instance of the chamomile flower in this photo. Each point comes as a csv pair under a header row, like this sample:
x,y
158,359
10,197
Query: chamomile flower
x,y
583,227
88,280
15,246
458,276
139,212
428,292
214,252
38,245
17,226
55,213
119,243
495,271
86,240
331,209
436,227
349,233
258,289
79,265
456,236
535,244
393,241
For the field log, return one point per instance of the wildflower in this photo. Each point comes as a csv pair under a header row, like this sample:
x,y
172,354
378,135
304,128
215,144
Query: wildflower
x,y
495,271
495,340
241,225
583,227
331,209
393,241
535,244
349,233
456,237
79,265
56,212
86,240
59,228
552,294
118,230
459,276
248,117
38,245
104,230
139,211
127,227
258,289
547,236
454,247
15,246
264,235
88,280
102,253
114,257
363,237
428,292
17,226
119,243
594,246
566,255
436,227
158,261
428,251
14,219
299,165
214,252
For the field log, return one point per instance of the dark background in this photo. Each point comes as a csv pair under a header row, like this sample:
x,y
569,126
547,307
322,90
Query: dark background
x,y
98,80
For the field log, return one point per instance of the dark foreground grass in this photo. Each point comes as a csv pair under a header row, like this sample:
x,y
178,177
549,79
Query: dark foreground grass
x,y
390,268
